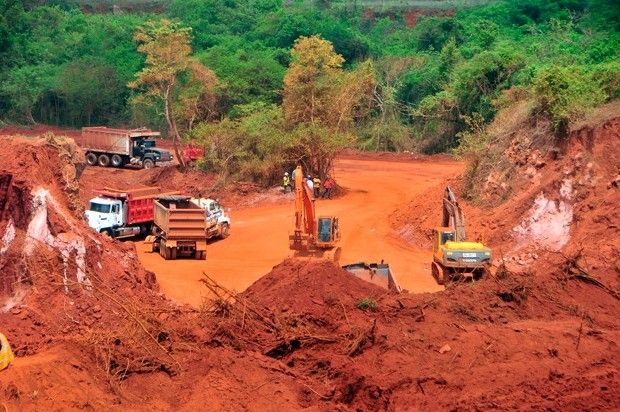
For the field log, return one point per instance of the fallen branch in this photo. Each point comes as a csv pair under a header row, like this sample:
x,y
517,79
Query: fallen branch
x,y
367,336
573,270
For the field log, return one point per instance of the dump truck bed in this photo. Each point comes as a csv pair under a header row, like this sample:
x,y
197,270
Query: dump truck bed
x,y
105,139
179,218
139,202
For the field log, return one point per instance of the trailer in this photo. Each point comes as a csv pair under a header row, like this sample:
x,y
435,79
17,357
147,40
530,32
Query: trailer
x,y
180,228
105,147
123,213
376,273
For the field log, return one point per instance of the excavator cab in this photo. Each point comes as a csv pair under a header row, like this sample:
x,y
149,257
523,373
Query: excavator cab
x,y
328,232
442,235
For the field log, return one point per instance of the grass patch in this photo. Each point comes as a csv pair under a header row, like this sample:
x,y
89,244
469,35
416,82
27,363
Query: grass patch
x,y
367,304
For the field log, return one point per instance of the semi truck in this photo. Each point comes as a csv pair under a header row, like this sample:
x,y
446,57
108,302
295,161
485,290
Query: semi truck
x,y
105,147
123,213
180,228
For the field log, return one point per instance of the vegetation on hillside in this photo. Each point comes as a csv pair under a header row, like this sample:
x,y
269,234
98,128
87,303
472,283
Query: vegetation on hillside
x,y
394,79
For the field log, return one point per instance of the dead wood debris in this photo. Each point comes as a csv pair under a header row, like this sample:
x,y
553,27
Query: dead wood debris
x,y
363,340
571,268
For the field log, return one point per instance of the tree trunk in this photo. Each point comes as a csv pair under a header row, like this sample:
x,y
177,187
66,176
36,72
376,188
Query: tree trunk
x,y
172,126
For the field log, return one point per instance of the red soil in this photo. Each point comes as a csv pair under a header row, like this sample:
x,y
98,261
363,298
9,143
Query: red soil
x,y
298,338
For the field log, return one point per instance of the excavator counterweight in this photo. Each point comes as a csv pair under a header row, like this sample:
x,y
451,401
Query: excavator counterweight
x,y
453,256
312,236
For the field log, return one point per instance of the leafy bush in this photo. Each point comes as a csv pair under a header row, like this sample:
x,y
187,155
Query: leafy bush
x,y
564,94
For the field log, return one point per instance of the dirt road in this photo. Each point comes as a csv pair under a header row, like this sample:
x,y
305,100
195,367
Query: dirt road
x,y
259,236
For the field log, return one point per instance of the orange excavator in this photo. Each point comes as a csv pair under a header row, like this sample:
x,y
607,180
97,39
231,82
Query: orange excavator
x,y
312,236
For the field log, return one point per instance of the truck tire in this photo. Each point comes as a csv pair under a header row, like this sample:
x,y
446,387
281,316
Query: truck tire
x,y
116,160
225,231
148,164
103,160
91,159
200,254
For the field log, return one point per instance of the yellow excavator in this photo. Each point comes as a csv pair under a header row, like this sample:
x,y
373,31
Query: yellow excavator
x,y
312,236
454,257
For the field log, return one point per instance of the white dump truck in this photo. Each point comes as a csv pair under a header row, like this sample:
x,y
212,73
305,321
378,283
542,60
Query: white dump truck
x,y
131,212
218,222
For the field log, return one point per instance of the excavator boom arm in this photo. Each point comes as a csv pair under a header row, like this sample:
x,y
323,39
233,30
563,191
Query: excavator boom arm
x,y
453,215
305,217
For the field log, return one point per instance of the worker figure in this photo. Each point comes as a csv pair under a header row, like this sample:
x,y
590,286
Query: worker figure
x,y
310,183
293,179
316,182
328,186
286,183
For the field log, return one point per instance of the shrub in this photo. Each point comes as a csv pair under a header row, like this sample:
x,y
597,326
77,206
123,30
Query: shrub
x,y
367,304
564,94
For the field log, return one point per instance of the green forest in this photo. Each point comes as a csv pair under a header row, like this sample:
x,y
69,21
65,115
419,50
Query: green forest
x,y
262,80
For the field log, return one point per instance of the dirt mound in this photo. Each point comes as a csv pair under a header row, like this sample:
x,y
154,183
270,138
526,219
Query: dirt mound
x,y
310,284
561,199
433,351
59,281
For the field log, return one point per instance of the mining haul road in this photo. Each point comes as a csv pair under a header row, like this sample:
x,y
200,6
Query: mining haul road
x,y
259,234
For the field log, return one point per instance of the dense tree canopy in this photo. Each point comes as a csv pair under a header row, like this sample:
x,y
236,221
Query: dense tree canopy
x,y
420,76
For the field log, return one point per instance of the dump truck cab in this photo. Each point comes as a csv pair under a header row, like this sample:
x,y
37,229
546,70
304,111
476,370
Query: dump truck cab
x,y
104,214
218,221
145,149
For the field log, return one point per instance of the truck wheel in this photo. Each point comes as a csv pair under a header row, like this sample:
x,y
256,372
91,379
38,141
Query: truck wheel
x,y
91,159
225,231
148,164
104,160
117,161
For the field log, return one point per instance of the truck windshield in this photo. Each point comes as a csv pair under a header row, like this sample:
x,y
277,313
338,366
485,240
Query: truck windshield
x,y
98,207
148,143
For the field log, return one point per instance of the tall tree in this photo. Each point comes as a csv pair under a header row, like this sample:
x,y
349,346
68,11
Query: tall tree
x,y
197,101
166,45
310,79
321,101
